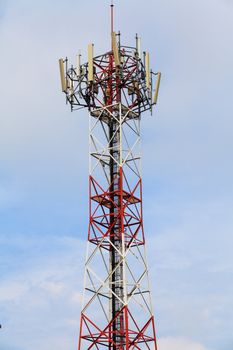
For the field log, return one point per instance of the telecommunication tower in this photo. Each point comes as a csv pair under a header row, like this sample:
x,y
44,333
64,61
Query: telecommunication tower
x,y
116,87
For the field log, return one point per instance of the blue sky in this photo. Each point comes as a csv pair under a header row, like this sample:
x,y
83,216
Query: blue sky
x,y
187,169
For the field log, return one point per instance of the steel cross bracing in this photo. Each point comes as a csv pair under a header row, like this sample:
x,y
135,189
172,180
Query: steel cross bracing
x,y
123,284
116,87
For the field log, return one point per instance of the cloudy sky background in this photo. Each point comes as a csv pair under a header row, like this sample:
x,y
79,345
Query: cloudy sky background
x,y
187,169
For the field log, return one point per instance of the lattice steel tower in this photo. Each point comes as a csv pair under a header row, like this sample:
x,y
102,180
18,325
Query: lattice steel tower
x,y
116,87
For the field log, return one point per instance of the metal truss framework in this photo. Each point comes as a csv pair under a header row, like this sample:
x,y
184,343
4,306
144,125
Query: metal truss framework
x,y
116,87
132,326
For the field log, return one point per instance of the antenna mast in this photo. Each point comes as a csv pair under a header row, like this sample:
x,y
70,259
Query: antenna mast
x,y
112,16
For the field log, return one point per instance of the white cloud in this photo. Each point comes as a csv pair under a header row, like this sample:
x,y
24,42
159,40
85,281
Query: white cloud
x,y
12,291
170,343
43,295
54,288
185,253
77,298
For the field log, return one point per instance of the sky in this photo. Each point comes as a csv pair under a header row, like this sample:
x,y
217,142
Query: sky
x,y
187,169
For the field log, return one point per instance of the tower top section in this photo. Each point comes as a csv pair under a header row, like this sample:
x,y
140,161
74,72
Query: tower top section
x,y
121,75
116,87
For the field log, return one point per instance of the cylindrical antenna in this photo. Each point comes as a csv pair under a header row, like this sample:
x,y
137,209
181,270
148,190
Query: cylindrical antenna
x,y
90,63
78,67
138,46
157,88
62,74
147,66
115,49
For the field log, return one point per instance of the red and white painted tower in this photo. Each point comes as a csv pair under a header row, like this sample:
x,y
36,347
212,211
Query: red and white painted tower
x,y
116,87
